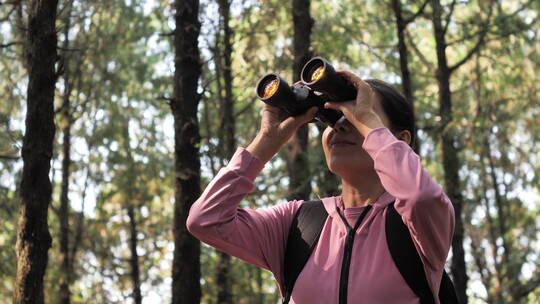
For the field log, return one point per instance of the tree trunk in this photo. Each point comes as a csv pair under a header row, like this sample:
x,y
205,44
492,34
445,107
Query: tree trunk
x,y
451,165
406,81
131,201
127,183
228,121
33,237
186,271
494,294
63,212
297,161
451,161
227,138
259,282
134,258
223,280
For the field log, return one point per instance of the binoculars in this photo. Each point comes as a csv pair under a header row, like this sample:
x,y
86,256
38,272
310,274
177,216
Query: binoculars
x,y
321,83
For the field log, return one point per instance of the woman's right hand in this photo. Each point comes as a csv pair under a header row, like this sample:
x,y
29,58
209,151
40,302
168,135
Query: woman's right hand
x,y
276,129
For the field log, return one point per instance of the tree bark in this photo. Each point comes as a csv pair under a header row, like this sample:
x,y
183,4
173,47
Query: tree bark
x,y
494,294
227,138
223,280
186,271
228,121
297,161
406,80
131,203
134,258
259,282
451,161
63,212
33,237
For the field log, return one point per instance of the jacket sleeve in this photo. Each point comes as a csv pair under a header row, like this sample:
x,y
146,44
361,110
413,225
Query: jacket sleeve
x,y
255,236
421,202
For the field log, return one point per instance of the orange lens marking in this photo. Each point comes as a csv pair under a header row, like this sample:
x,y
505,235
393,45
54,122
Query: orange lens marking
x,y
318,73
270,88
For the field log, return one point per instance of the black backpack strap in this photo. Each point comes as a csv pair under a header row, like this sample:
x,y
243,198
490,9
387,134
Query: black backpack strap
x,y
304,233
447,291
405,256
410,265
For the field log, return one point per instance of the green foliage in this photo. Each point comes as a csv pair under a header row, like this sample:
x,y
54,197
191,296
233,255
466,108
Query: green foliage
x,y
120,56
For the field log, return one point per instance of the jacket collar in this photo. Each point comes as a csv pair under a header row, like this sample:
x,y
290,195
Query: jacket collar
x,y
332,203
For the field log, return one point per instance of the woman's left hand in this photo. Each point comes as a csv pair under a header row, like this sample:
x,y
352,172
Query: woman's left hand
x,y
360,112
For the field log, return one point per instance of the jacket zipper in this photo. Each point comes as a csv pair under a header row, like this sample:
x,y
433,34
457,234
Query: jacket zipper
x,y
347,254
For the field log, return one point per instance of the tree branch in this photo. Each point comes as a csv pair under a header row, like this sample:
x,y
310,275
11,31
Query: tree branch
x,y
418,53
418,13
377,55
479,42
464,38
9,156
6,18
450,13
168,100
6,45
168,34
244,109
531,285
65,49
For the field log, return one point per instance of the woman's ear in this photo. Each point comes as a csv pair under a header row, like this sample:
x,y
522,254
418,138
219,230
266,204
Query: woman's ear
x,y
404,135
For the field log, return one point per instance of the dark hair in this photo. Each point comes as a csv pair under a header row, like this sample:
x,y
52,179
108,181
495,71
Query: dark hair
x,y
398,109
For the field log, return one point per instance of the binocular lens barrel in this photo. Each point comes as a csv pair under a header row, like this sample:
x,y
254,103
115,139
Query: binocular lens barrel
x,y
314,70
321,76
274,90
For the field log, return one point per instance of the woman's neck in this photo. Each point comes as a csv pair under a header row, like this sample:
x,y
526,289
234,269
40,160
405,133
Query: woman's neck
x,y
361,192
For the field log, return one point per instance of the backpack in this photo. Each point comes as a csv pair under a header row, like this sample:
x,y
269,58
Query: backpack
x,y
305,232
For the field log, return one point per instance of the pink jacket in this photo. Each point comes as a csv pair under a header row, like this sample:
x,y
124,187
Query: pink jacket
x,y
259,236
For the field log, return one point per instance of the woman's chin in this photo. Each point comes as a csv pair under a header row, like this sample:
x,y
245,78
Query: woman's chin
x,y
344,166
341,167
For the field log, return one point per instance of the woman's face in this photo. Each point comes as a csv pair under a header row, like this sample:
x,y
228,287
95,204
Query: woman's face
x,y
342,145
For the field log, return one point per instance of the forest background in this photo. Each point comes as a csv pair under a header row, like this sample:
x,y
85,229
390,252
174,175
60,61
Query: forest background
x,y
114,115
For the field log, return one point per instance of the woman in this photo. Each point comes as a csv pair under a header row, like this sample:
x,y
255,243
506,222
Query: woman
x,y
370,151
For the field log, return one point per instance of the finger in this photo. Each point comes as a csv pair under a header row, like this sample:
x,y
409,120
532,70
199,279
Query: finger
x,y
340,106
308,116
356,81
269,108
297,121
331,105
274,111
350,77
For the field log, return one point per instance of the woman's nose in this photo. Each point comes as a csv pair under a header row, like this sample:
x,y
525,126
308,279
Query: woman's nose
x,y
341,125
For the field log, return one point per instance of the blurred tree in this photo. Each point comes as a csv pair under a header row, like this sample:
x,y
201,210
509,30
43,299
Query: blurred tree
x,y
226,131
70,61
403,19
186,262
502,245
222,51
442,20
33,237
132,203
297,155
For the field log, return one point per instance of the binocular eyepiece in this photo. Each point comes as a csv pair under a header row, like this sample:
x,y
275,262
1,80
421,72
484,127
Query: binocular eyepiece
x,y
321,83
